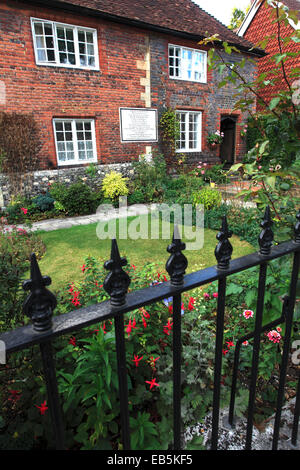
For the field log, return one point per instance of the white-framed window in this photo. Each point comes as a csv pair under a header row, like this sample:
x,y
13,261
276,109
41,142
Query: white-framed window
x,y
190,124
75,141
187,64
64,45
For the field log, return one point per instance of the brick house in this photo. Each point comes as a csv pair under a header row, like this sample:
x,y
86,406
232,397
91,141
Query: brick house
x,y
88,69
258,24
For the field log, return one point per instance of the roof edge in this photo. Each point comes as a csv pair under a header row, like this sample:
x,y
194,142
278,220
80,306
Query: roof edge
x,y
135,23
251,14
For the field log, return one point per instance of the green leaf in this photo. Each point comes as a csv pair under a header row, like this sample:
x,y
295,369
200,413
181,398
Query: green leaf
x,y
271,181
273,103
236,167
280,57
234,289
262,147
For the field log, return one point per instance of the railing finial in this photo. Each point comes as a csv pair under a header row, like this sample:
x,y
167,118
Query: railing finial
x,y
177,262
297,228
266,235
223,250
40,303
117,281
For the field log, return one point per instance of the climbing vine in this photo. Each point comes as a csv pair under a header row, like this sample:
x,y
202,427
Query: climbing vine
x,y
170,130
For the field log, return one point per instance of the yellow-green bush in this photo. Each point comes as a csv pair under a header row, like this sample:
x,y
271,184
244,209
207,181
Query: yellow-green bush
x,y
114,185
210,198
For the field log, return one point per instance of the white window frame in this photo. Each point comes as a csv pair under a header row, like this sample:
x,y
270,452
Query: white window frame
x,y
199,131
182,61
75,29
76,160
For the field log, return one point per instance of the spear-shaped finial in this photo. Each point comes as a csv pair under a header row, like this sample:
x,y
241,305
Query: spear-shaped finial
x,y
266,235
223,250
177,262
40,303
117,281
297,228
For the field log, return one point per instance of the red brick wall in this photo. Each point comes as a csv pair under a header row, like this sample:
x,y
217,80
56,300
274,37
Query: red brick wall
x,y
58,92
51,92
263,26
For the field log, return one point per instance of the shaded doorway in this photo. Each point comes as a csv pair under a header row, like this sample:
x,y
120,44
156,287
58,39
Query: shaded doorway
x,y
227,148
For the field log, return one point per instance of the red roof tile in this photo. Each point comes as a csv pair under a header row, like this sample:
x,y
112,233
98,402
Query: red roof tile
x,y
182,16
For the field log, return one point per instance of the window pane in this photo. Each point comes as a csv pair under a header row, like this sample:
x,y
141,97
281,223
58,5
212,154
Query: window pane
x,y
79,126
40,42
61,146
70,146
81,36
48,29
59,126
68,126
51,56
60,33
60,136
69,34
70,155
41,55
61,156
49,42
91,61
38,28
70,46
89,38
62,45
71,59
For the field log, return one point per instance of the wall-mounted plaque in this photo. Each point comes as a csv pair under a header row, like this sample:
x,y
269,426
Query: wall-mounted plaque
x,y
138,125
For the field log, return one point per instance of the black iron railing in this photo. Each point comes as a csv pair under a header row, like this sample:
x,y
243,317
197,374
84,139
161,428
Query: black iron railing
x,y
45,327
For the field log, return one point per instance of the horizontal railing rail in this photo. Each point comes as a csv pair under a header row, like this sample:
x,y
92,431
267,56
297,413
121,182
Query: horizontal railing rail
x,y
45,327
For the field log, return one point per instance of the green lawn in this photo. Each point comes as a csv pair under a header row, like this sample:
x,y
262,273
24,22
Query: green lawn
x,y
67,248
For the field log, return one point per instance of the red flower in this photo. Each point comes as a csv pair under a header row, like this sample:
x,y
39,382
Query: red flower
x,y
215,294
153,361
103,328
137,359
191,303
225,351
71,290
24,210
14,395
168,327
83,268
75,300
72,340
152,383
170,308
42,408
133,266
206,295
229,344
130,326
144,322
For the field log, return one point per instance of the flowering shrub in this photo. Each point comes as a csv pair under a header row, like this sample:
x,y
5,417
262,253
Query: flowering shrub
x,y
87,368
215,138
16,245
